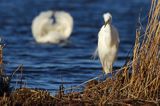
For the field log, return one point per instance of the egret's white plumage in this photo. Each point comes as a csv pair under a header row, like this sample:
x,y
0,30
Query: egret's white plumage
x,y
52,26
108,42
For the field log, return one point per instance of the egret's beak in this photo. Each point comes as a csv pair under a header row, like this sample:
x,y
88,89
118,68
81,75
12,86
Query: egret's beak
x,y
106,23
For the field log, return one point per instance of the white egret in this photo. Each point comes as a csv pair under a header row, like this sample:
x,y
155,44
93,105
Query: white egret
x,y
52,26
108,42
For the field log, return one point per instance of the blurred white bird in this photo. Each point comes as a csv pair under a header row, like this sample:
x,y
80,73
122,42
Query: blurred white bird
x,y
108,42
52,26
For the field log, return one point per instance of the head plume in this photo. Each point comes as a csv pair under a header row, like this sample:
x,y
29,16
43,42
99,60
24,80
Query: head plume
x,y
107,18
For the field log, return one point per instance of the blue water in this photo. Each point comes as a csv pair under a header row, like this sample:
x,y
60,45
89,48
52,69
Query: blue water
x,y
47,66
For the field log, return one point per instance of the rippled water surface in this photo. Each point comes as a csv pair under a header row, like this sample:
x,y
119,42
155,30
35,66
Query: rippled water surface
x,y
46,66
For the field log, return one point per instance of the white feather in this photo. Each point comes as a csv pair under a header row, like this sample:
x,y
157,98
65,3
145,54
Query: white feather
x,y
45,29
108,42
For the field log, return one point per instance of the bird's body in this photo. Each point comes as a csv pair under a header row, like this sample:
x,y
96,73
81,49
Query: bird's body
x,y
52,26
108,42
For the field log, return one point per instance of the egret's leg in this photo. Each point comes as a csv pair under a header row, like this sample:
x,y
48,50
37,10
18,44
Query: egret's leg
x,y
103,66
103,70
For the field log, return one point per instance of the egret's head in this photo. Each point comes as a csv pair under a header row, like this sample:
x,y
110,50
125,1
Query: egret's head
x,y
107,18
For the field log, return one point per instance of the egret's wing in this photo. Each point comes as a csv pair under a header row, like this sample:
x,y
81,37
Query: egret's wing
x,y
95,54
116,39
51,37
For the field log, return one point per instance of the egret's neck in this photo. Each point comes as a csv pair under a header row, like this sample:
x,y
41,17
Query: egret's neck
x,y
108,21
108,25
